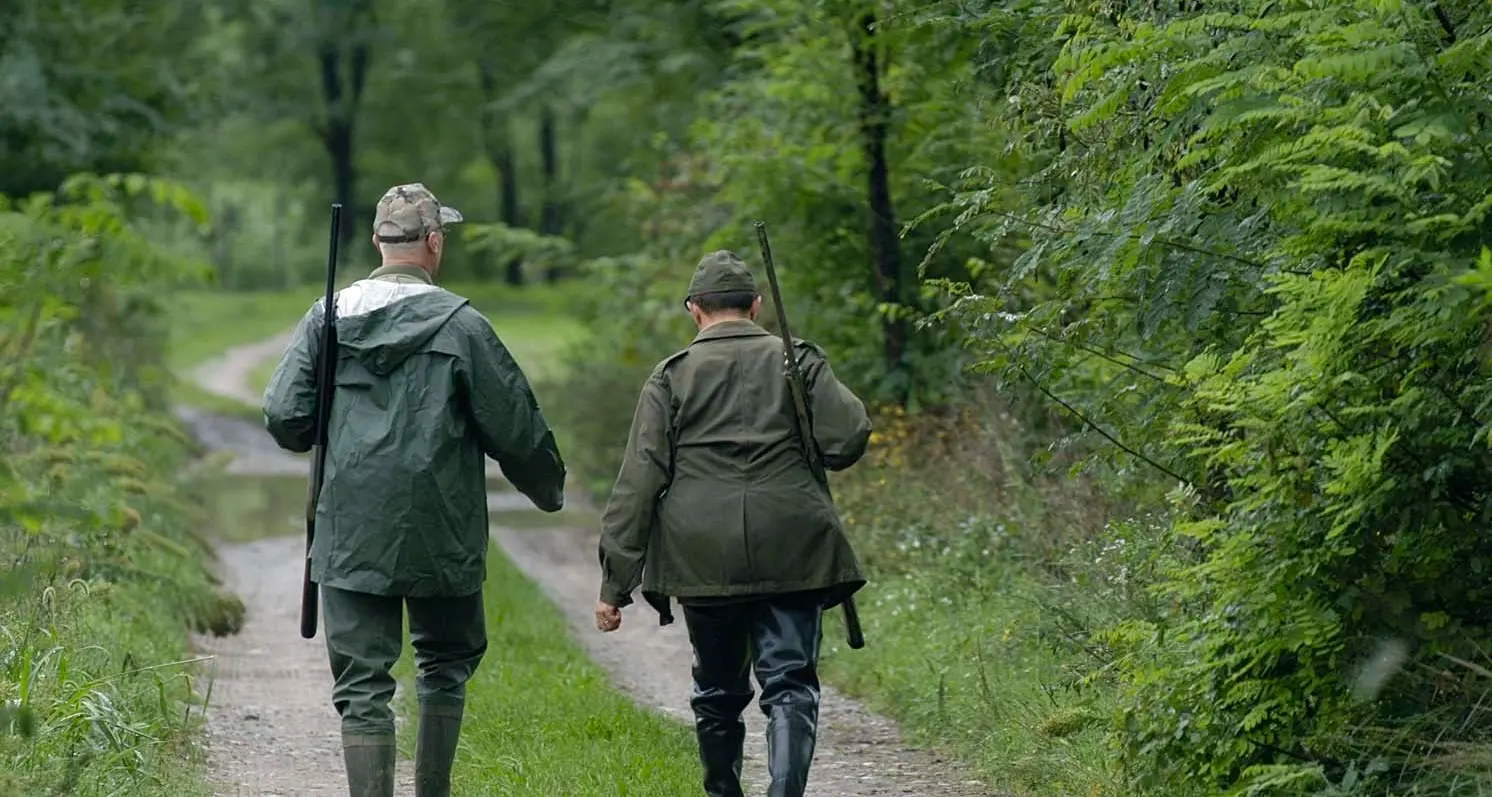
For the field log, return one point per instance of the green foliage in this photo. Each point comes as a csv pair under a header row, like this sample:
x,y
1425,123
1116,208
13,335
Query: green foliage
x,y
102,572
990,585
785,141
1256,269
86,87
536,251
1232,254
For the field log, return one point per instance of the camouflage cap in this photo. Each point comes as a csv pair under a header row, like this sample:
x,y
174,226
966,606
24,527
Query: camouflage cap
x,y
409,212
721,272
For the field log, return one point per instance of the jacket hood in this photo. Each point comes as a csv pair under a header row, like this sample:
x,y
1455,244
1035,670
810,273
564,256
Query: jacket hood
x,y
382,322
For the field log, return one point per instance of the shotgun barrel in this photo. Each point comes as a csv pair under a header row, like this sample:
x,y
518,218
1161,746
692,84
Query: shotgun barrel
x,y
326,382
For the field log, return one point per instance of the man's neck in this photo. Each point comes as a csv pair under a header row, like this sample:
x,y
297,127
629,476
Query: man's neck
x,y
403,268
723,318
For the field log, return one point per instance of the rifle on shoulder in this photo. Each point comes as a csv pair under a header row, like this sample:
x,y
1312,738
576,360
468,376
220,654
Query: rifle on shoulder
x,y
326,383
799,391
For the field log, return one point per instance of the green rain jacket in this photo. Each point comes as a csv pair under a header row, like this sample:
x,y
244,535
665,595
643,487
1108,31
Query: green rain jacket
x,y
425,389
714,499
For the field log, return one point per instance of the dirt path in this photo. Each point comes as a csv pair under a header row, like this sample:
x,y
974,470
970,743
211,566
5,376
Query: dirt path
x,y
228,374
271,727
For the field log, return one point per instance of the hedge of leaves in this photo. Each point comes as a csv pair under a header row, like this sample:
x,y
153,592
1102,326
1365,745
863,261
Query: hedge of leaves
x,y
1256,260
102,573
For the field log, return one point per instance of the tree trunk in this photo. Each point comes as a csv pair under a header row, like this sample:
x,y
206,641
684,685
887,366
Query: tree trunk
x,y
507,167
576,221
885,248
344,178
498,143
223,245
550,222
342,98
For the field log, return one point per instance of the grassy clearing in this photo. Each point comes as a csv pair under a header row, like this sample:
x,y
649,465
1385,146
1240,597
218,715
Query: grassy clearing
x,y
206,323
544,720
535,322
976,672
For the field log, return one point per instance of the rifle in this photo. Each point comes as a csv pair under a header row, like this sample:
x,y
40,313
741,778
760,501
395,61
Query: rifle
x,y
799,391
326,382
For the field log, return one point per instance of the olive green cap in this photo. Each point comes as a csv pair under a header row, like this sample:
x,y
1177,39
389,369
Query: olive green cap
x,y
721,272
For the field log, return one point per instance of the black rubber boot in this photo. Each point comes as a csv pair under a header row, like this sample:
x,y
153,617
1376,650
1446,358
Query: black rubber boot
x,y
791,733
720,753
787,633
722,690
370,765
435,749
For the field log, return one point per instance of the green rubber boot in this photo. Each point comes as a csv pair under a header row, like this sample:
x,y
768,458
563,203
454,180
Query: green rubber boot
x,y
435,751
370,765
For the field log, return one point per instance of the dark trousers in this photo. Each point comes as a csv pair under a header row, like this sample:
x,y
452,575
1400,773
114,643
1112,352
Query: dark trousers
x,y
778,637
364,637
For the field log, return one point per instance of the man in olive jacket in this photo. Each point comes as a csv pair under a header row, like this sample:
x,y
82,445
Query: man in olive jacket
x,y
424,390
715,505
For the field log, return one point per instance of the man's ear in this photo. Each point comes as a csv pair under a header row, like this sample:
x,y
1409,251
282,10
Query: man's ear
x,y
756,306
434,241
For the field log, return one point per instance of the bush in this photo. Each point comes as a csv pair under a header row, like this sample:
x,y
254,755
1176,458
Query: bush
x,y
1257,275
993,586
102,572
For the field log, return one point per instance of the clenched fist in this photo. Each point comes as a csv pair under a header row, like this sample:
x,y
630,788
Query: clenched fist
x,y
608,617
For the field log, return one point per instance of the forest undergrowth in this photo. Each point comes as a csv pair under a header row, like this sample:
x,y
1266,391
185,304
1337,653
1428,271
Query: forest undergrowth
x,y
103,569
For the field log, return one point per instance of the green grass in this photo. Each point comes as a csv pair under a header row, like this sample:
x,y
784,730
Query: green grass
x,y
206,323
543,720
973,643
973,670
90,718
536,322
96,690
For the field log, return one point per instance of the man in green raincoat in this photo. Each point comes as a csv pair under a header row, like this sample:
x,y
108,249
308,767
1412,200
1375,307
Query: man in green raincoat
x,y
425,391
715,505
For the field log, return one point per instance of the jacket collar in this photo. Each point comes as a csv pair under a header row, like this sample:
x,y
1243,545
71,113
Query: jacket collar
x,y
736,328
401,270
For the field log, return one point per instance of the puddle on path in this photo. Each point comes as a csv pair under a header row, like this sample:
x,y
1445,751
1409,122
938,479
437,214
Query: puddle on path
x,y
243,508
248,508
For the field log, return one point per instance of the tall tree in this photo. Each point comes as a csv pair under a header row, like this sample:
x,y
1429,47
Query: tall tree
x,y
497,143
344,30
509,43
550,219
309,62
884,244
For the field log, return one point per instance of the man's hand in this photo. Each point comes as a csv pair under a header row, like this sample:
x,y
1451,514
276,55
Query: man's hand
x,y
608,617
